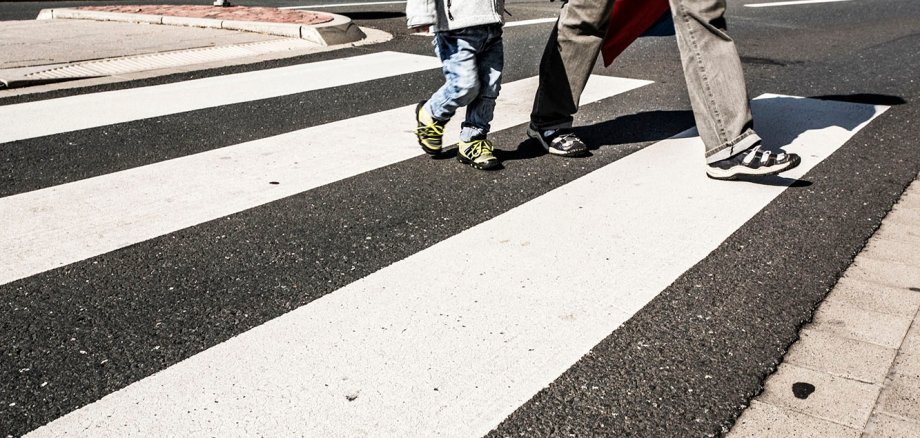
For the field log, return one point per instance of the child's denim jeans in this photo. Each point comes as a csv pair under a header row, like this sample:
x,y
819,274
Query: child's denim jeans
x,y
472,59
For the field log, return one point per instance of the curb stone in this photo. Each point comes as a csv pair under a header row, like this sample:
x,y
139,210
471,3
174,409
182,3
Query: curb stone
x,y
339,30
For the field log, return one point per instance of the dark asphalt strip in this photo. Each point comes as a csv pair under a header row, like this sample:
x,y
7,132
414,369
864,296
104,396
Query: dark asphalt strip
x,y
72,335
687,363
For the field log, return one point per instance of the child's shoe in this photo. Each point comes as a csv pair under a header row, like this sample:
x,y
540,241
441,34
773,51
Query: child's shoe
x,y
429,130
477,153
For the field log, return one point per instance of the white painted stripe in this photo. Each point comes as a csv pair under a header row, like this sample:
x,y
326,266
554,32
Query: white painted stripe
x,y
508,24
342,5
59,225
54,116
511,304
529,22
792,3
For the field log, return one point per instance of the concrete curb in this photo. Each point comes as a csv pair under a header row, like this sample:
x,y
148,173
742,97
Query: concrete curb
x,y
340,30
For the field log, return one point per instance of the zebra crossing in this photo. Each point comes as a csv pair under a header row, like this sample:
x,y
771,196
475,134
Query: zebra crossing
x,y
88,217
449,353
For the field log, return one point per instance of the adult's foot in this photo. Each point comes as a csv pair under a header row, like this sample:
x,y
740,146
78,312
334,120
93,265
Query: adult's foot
x,y
754,161
562,142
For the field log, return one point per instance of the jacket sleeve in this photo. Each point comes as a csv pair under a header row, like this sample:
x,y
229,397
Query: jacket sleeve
x,y
420,13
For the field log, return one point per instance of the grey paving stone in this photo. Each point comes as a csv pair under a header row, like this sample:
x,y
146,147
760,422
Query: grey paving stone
x,y
901,225
911,196
901,397
884,272
766,420
907,206
843,401
862,325
907,363
898,251
886,426
842,357
876,297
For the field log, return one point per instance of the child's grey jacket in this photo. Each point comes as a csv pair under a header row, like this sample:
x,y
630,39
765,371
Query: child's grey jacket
x,y
453,14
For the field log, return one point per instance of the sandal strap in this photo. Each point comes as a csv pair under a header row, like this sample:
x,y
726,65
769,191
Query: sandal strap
x,y
764,158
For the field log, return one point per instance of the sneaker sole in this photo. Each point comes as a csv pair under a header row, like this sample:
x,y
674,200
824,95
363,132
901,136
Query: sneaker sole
x,y
736,171
488,165
428,150
536,136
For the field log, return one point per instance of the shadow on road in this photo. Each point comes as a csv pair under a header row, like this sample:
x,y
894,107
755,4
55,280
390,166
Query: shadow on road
x,y
374,15
780,121
650,126
783,120
870,99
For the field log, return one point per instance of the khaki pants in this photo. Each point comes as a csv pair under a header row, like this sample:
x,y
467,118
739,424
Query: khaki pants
x,y
712,70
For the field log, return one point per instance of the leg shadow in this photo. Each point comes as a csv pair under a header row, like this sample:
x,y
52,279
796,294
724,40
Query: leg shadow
x,y
648,126
783,120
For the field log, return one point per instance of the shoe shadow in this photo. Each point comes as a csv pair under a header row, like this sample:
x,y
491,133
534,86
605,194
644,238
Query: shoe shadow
x,y
774,180
647,126
451,153
446,154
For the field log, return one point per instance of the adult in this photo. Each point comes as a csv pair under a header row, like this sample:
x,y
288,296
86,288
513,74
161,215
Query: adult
x,y
712,70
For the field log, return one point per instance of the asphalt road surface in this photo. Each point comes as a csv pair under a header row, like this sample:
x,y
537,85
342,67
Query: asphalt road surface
x,y
292,264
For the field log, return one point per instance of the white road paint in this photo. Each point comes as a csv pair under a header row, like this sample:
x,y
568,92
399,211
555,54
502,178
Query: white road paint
x,y
55,116
343,5
53,227
792,3
510,305
508,24
529,22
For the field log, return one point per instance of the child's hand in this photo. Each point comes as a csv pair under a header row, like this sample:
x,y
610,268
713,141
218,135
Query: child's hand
x,y
420,29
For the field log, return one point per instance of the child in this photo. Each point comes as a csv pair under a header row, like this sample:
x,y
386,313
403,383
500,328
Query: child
x,y
468,40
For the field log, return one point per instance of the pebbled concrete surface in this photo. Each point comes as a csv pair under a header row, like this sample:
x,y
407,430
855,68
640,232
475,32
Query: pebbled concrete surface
x,y
103,32
36,43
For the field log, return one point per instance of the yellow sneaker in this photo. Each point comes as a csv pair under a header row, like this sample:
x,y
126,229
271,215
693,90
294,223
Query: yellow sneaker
x,y
477,153
429,131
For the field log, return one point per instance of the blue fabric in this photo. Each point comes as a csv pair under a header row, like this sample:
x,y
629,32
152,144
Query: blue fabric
x,y
472,61
663,27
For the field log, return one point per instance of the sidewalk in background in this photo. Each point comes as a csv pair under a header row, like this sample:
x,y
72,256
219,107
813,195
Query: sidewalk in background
x,y
47,54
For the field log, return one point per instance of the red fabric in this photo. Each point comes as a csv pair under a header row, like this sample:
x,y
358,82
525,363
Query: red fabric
x,y
628,20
